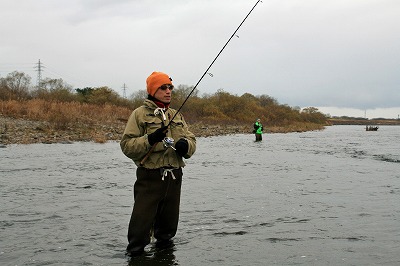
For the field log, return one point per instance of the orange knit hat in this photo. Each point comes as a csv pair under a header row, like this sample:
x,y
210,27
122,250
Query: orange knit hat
x,y
155,80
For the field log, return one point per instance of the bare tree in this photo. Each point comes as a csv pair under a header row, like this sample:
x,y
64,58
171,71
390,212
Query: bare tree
x,y
15,86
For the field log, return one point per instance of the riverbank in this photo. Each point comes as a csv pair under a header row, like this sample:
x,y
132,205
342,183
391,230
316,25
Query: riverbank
x,y
23,131
369,122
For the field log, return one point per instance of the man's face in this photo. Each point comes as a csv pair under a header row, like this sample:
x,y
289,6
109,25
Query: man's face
x,y
164,93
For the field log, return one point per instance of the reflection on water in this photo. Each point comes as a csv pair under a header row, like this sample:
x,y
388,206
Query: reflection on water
x,y
315,198
155,257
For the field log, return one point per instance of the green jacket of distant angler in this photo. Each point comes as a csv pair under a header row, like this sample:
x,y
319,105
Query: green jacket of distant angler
x,y
258,127
143,121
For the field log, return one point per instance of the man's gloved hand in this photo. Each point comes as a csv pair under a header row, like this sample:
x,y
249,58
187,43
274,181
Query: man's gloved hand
x,y
182,147
158,135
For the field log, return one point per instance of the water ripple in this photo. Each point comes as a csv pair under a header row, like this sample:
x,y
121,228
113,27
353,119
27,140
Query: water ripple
x,y
315,198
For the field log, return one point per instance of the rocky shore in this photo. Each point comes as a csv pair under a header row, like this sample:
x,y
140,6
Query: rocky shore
x,y
21,131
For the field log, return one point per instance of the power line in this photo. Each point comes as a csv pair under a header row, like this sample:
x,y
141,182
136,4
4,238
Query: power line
x,y
7,68
39,68
67,78
124,91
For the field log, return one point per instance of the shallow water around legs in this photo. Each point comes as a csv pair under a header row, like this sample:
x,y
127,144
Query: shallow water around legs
x,y
328,197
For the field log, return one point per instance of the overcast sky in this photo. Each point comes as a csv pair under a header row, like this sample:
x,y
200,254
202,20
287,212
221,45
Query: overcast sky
x,y
342,56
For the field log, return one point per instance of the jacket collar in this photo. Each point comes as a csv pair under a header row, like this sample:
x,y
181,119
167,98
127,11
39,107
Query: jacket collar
x,y
153,105
159,104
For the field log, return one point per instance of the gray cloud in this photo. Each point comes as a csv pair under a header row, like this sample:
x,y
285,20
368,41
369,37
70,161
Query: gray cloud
x,y
343,53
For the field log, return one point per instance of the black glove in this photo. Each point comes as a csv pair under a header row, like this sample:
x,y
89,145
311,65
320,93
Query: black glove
x,y
182,147
158,135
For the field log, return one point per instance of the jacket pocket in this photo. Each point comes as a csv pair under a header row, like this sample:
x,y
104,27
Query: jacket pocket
x,y
151,124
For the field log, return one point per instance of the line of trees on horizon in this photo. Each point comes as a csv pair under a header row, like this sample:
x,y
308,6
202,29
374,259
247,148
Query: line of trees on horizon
x,y
216,108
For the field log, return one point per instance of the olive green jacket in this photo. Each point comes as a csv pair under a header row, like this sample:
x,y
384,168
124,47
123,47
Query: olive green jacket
x,y
143,121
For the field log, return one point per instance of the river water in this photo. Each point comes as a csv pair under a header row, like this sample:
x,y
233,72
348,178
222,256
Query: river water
x,y
328,197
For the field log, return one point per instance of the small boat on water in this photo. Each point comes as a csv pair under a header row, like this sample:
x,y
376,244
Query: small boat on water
x,y
371,128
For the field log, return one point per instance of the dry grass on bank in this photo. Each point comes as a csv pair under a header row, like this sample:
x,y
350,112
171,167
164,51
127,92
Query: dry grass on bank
x,y
37,121
62,115
41,121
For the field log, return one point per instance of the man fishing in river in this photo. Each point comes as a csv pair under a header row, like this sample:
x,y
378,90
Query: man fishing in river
x,y
258,129
148,140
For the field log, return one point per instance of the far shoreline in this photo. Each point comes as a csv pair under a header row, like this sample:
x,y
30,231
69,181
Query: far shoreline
x,y
23,131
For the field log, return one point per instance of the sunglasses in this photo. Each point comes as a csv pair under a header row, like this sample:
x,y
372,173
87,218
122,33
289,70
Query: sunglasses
x,y
167,86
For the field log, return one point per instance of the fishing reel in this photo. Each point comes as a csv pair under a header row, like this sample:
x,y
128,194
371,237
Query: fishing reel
x,y
168,143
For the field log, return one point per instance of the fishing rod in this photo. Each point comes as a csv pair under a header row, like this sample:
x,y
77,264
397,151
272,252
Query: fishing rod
x,y
201,78
215,59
